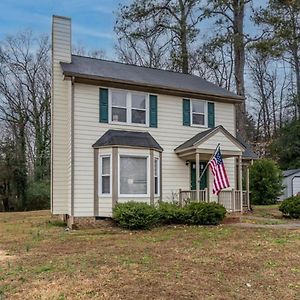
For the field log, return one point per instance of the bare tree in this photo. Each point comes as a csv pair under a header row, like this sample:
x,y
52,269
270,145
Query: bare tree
x,y
25,103
159,26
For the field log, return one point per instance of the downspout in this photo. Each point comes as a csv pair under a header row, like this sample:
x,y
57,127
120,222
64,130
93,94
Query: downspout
x,y
72,144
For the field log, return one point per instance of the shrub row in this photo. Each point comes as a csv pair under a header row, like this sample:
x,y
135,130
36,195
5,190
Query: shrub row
x,y
136,215
290,207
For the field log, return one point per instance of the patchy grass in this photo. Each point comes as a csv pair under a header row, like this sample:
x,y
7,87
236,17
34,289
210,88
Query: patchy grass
x,y
264,221
40,260
266,211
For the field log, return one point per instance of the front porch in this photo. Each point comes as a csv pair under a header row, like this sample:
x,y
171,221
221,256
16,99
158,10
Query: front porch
x,y
230,199
198,151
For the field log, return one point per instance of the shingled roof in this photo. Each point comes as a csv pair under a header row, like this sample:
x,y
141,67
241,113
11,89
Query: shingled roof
x,y
127,138
92,68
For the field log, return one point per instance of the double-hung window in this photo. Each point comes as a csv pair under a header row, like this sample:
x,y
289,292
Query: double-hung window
x,y
138,108
156,176
133,175
119,106
199,112
105,175
128,107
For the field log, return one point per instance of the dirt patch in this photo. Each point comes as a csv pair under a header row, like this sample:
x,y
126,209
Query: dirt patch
x,y
5,256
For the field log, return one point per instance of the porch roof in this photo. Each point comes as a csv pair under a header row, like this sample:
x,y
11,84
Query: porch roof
x,y
206,142
128,139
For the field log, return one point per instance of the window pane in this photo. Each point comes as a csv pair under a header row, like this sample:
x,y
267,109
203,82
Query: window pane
x,y
198,119
118,114
138,116
198,106
156,167
138,101
105,165
133,175
118,98
105,184
156,185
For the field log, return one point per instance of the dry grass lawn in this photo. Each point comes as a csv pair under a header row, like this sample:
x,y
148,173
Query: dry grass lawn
x,y
40,260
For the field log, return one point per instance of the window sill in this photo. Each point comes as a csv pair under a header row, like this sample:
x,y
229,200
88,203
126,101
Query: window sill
x,y
199,126
128,124
134,195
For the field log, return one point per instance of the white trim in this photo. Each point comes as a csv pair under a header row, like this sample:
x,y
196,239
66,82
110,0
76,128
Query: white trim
x,y
100,175
157,159
128,107
205,113
147,156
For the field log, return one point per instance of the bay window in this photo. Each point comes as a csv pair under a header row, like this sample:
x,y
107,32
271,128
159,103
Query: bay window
x,y
105,175
133,175
156,176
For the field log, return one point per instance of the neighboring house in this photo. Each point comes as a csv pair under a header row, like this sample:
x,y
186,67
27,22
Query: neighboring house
x,y
291,183
122,132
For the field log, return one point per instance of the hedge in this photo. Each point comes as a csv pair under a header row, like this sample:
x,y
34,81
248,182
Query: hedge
x,y
290,207
136,215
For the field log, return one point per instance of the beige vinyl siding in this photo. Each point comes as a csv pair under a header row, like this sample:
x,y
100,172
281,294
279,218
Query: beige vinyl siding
x,y
61,135
169,134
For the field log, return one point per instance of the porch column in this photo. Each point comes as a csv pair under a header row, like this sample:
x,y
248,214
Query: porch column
x,y
197,176
240,183
248,186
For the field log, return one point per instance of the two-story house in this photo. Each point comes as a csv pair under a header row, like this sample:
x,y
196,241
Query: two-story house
x,y
122,132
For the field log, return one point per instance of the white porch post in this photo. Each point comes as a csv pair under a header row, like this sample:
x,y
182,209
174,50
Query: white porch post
x,y
248,187
240,186
197,176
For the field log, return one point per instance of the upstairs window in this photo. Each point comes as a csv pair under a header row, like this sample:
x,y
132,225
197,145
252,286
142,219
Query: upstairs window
x,y
199,112
118,106
138,111
128,107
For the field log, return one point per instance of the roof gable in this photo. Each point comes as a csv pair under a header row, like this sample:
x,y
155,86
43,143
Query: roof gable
x,y
209,139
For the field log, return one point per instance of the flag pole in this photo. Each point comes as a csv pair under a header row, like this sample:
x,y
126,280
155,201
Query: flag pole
x,y
218,147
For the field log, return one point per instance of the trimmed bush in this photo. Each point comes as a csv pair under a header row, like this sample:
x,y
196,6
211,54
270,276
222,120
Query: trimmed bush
x,y
290,207
170,213
204,213
136,215
265,182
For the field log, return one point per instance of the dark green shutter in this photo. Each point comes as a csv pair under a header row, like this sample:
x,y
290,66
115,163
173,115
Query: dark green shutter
x,y
186,112
103,105
153,111
211,114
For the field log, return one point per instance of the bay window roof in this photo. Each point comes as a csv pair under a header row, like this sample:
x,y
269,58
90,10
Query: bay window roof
x,y
126,138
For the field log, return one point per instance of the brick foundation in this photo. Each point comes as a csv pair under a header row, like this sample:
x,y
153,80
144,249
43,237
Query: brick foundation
x,y
87,222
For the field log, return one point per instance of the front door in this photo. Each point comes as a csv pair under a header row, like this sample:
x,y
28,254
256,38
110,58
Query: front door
x,y
203,182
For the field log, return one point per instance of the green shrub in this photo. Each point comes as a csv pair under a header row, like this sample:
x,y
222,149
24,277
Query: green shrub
x,y
38,195
290,207
135,215
265,182
203,213
170,213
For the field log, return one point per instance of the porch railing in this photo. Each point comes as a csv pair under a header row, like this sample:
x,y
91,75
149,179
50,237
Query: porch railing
x,y
186,196
230,199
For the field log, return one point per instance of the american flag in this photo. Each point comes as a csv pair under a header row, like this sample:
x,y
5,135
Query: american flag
x,y
218,169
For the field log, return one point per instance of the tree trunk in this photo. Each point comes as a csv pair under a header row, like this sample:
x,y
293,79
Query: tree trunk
x,y
239,61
